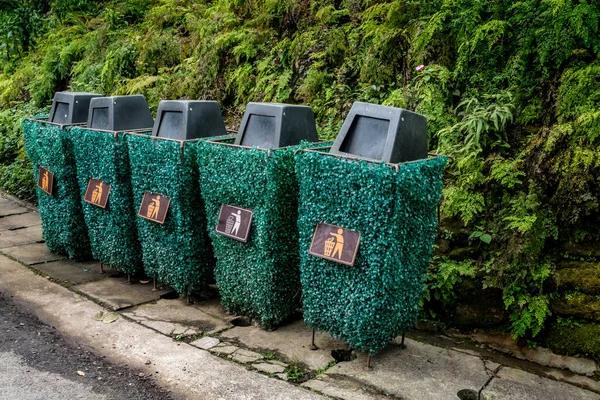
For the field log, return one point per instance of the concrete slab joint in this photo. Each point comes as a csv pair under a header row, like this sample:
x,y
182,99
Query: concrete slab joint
x,y
206,343
269,368
175,317
32,254
246,356
224,348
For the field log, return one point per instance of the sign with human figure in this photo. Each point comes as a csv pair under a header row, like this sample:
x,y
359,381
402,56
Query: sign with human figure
x,y
154,207
234,222
46,180
335,243
97,193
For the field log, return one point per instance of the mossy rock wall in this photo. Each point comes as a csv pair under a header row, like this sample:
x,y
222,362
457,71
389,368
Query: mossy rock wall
x,y
112,230
50,146
575,302
582,250
476,306
572,290
578,305
575,338
578,276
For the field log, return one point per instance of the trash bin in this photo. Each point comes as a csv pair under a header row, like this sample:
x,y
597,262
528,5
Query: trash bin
x,y
171,219
366,231
103,172
250,194
50,150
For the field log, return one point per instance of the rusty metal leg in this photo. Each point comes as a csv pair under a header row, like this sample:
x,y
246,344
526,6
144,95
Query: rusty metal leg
x,y
154,288
102,271
402,345
313,346
369,367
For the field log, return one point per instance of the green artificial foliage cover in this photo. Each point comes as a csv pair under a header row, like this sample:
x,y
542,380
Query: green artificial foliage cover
x,y
177,252
49,146
377,298
112,230
260,278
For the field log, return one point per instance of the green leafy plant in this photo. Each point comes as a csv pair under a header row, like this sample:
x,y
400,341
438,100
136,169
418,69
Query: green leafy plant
x,y
294,372
442,277
482,236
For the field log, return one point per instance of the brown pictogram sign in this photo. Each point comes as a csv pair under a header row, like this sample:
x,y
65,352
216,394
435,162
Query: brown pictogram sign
x,y
335,243
154,207
97,193
46,180
234,222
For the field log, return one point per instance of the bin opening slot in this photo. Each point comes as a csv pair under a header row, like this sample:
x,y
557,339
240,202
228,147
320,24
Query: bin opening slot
x,y
379,133
70,108
100,118
259,132
61,113
366,137
171,121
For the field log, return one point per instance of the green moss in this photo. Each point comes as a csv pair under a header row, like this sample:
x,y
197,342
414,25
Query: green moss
x,y
581,276
461,254
574,339
578,305
572,264
481,314
582,249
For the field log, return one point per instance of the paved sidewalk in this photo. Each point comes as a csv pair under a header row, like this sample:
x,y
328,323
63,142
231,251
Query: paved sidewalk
x,y
201,352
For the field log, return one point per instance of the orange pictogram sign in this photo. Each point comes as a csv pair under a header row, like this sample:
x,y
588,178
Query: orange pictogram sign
x,y
46,180
154,207
97,193
335,243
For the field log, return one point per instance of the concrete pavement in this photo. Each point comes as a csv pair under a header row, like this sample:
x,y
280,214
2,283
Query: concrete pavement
x,y
19,381
38,363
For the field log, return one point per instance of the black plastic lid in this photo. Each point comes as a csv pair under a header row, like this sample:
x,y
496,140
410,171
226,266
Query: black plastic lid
x,y
71,107
119,113
379,133
273,125
188,119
